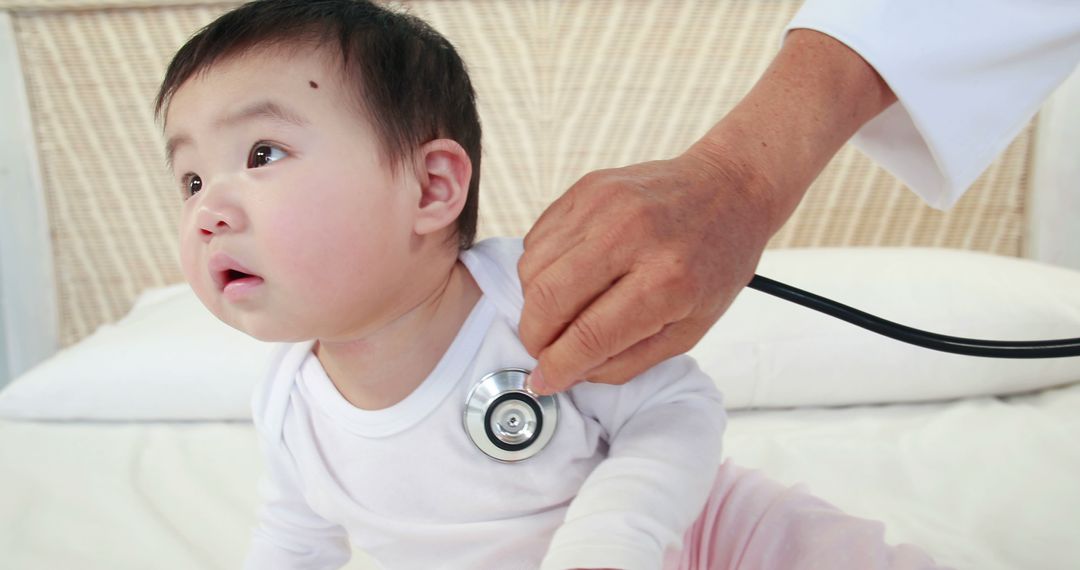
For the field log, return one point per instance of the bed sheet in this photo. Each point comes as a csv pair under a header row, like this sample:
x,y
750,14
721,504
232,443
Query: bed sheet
x,y
983,483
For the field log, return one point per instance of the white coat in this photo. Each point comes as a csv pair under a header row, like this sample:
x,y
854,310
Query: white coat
x,y
969,75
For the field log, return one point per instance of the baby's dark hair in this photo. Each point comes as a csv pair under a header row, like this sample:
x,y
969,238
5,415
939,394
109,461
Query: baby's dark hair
x,y
409,80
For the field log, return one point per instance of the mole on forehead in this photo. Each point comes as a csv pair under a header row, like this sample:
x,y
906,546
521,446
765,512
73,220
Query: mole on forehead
x,y
313,84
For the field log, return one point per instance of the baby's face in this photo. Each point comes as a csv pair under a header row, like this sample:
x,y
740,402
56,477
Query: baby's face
x,y
292,226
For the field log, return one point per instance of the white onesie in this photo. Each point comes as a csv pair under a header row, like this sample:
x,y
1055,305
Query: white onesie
x,y
626,473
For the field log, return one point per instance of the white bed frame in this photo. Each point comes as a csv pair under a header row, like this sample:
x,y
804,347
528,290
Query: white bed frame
x,y
28,305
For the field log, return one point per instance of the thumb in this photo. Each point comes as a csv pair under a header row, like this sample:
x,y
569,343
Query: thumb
x,y
547,377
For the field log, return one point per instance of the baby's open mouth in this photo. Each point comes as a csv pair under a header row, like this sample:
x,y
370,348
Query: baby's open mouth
x,y
233,278
232,275
236,284
227,273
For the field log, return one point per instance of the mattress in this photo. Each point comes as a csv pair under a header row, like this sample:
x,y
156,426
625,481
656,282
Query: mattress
x,y
986,483
124,452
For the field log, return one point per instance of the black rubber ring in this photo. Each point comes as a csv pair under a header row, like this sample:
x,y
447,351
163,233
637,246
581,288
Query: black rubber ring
x,y
520,396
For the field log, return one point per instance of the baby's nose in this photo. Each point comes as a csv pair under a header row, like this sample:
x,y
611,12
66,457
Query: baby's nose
x,y
219,208
212,222
217,219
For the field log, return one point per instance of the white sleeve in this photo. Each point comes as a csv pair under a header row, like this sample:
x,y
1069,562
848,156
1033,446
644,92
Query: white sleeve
x,y
664,432
290,536
968,74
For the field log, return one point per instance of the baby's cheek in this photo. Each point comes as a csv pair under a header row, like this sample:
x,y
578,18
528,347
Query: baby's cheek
x,y
187,263
195,273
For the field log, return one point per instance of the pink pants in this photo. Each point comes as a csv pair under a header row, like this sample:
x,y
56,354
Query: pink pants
x,y
752,522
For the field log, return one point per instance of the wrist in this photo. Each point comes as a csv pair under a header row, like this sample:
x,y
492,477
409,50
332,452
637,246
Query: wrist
x,y
739,180
813,97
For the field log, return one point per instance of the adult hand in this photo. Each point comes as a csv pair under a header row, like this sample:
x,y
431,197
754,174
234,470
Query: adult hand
x,y
615,274
633,265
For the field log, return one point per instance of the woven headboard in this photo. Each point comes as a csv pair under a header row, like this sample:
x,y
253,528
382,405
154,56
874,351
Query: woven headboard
x,y
564,88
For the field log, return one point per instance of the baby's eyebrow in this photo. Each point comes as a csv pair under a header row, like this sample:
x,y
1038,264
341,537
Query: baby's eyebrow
x,y
265,109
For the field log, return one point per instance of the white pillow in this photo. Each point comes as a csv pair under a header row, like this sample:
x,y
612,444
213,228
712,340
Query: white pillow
x,y
766,352
170,359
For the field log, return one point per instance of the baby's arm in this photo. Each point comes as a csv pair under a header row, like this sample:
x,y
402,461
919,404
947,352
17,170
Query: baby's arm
x,y
664,429
290,536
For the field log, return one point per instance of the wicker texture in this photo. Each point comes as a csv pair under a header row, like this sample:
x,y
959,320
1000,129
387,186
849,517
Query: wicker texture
x,y
564,88
71,5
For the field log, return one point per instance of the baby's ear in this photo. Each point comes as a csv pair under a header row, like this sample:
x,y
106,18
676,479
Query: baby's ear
x,y
444,171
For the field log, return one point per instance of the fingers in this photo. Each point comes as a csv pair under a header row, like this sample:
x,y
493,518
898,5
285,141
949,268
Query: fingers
x,y
564,289
564,224
625,315
569,261
552,234
673,339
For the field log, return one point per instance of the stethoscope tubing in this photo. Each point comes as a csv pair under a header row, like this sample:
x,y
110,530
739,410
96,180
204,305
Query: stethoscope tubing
x,y
501,386
956,345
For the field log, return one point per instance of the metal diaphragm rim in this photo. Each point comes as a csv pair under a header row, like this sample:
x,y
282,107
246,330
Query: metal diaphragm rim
x,y
507,384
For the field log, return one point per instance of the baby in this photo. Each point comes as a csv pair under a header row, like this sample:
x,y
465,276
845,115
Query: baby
x,y
327,154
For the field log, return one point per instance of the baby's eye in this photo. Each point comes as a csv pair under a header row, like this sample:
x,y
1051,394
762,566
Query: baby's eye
x,y
190,184
264,153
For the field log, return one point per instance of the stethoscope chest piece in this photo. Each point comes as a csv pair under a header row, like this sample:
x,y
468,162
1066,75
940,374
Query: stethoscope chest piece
x,y
507,421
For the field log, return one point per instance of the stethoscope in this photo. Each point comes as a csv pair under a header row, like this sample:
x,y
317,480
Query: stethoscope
x,y
509,423
506,420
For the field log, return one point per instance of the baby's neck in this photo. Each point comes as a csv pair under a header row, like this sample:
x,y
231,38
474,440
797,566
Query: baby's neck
x,y
382,368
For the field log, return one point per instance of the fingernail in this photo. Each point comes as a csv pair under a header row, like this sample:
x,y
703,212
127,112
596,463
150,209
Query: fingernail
x,y
535,383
